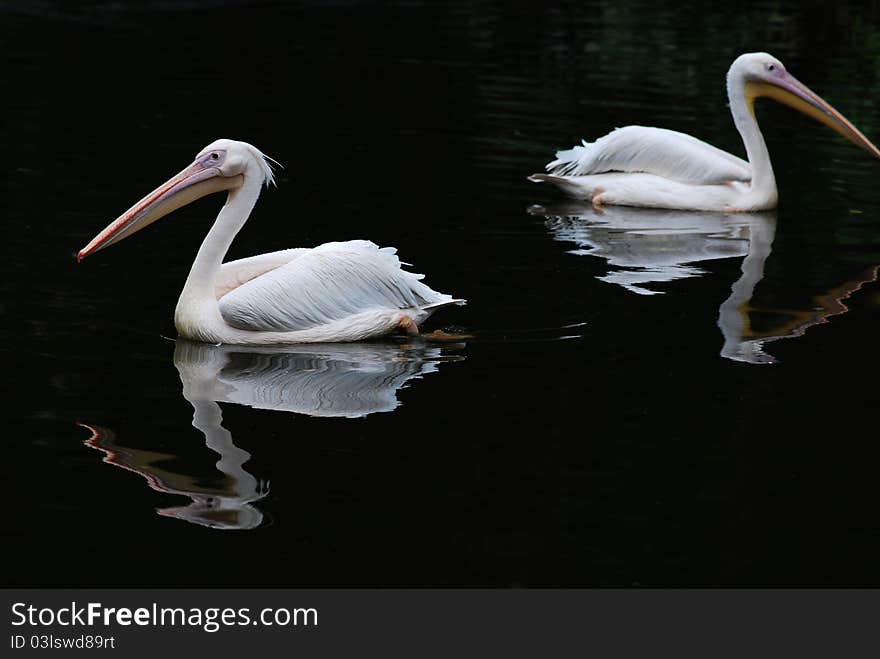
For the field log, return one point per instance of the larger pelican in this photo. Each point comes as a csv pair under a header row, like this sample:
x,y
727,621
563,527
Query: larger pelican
x,y
340,291
654,167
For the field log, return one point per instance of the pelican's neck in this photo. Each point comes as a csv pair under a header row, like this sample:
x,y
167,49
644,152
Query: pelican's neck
x,y
235,212
742,108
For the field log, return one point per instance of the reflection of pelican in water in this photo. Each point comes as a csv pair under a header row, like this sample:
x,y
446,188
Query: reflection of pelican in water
x,y
330,380
343,380
649,246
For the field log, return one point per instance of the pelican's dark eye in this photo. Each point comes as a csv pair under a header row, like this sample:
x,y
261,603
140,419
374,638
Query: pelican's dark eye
x,y
214,156
770,67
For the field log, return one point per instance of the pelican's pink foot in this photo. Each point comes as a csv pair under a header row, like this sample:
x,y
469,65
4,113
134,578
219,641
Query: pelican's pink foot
x,y
408,325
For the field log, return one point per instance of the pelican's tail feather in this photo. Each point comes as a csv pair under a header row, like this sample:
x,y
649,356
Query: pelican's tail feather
x,y
570,161
443,303
424,311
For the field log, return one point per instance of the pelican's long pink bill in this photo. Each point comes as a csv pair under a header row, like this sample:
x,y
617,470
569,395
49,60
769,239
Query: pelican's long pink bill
x,y
197,180
787,89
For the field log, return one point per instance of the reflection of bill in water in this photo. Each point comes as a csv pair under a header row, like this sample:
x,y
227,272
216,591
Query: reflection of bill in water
x,y
225,503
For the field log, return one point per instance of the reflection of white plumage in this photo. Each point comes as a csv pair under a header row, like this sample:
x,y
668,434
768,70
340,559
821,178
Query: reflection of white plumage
x,y
646,246
344,291
653,167
327,380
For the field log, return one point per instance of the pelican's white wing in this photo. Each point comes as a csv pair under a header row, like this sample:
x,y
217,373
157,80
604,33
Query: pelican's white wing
x,y
658,151
328,283
235,273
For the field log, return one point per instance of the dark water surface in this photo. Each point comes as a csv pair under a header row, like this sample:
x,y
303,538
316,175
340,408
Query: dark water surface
x,y
641,397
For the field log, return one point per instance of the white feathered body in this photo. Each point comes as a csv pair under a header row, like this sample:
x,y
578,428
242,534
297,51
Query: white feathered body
x,y
657,168
339,291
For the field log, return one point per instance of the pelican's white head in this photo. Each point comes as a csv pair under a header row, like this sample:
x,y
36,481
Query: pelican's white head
x,y
222,165
232,158
760,74
755,66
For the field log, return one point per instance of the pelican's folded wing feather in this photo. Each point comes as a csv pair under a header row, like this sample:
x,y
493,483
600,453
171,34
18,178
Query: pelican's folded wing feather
x,y
235,273
658,151
326,284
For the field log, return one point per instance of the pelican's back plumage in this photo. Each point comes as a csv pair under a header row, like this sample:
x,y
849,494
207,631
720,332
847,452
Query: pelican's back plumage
x,y
327,284
642,149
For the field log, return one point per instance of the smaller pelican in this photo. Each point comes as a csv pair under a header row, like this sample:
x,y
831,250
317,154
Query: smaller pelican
x,y
654,167
341,291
